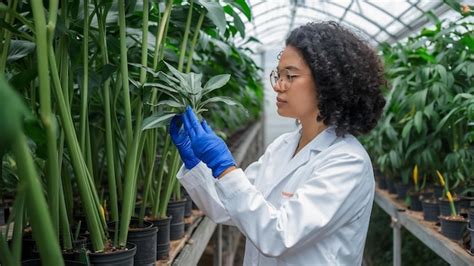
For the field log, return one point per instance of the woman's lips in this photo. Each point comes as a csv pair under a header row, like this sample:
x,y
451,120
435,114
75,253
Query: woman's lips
x,y
280,102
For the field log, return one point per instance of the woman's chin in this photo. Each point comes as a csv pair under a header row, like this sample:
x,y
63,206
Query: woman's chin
x,y
283,113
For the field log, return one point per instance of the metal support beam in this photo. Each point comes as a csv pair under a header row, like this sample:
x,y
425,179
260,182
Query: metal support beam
x,y
397,242
218,246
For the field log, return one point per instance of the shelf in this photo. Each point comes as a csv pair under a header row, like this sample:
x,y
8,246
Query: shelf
x,y
427,232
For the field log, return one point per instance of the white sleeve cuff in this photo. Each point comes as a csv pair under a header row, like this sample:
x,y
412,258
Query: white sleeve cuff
x,y
232,184
194,177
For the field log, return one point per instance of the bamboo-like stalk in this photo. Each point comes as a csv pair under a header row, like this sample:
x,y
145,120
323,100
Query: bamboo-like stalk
x,y
45,107
160,36
19,209
194,41
109,140
41,223
84,180
130,182
144,42
85,80
161,170
124,74
6,36
182,53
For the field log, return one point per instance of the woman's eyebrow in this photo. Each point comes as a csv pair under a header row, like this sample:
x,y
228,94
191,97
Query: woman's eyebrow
x,y
289,67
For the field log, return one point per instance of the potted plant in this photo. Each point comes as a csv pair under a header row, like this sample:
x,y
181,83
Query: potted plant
x,y
453,224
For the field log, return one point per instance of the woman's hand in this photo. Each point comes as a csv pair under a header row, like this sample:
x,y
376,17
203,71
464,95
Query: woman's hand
x,y
206,145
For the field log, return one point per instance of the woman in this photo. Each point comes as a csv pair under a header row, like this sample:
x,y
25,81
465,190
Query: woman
x,y
307,200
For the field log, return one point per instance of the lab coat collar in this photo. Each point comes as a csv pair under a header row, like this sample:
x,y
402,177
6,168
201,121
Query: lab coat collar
x,y
318,144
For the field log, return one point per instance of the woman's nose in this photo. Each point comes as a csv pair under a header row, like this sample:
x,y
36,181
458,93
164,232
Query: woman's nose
x,y
278,87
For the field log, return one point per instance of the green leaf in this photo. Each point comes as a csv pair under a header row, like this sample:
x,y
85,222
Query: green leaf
x,y
242,6
222,99
418,121
239,25
406,130
215,12
171,103
216,82
156,120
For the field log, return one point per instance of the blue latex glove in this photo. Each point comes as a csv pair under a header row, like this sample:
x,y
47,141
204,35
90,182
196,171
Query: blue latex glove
x,y
181,139
207,146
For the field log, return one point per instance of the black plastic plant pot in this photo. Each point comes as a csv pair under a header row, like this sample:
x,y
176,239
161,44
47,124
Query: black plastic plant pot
x,y
176,210
382,182
465,202
445,208
37,262
471,234
438,191
415,203
430,210
122,257
28,247
144,238
470,214
2,215
453,227
391,187
402,190
188,207
426,195
163,238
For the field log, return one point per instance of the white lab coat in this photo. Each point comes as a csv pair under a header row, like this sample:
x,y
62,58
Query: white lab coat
x,y
312,209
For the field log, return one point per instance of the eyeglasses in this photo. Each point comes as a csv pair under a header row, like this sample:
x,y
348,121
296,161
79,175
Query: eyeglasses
x,y
283,78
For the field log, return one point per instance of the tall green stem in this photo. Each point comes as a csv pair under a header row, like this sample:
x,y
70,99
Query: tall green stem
x,y
45,105
85,79
6,37
161,32
109,140
130,181
41,223
194,41
124,71
185,36
144,42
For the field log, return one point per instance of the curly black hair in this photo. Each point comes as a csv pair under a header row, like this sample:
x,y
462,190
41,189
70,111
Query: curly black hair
x,y
348,74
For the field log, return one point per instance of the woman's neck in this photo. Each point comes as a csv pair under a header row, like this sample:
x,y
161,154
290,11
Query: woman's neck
x,y
310,129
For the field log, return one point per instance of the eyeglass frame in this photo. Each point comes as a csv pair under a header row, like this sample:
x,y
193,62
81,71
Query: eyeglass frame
x,y
290,80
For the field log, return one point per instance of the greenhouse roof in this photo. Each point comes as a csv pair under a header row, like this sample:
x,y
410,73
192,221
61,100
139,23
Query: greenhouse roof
x,y
377,21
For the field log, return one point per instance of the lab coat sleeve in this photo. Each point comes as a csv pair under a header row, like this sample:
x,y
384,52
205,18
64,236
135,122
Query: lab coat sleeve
x,y
200,185
333,195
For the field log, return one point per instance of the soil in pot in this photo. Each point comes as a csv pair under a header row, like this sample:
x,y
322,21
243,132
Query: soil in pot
x,y
430,210
144,238
453,226
163,237
116,257
176,210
